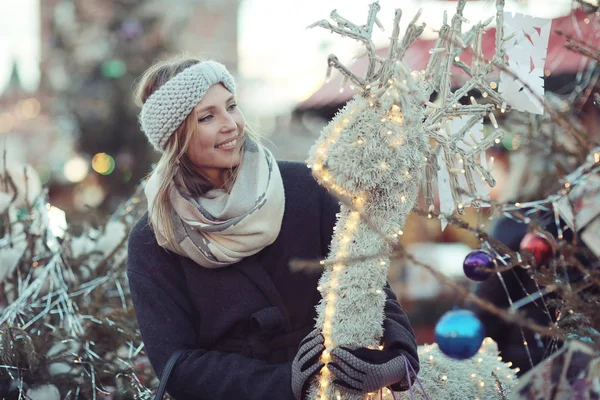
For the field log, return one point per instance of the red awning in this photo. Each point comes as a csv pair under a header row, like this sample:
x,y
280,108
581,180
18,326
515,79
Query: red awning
x,y
559,59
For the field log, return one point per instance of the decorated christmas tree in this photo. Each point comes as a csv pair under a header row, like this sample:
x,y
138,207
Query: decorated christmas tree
x,y
96,51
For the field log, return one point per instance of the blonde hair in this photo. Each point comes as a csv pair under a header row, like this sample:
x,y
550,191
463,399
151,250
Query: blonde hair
x,y
177,170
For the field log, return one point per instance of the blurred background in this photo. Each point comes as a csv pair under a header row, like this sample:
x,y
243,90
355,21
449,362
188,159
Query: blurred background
x,y
68,68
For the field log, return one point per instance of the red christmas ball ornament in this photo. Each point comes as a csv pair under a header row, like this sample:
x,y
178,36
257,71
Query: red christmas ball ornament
x,y
540,245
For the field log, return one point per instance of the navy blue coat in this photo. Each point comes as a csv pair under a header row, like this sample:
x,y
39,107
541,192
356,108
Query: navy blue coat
x,y
241,324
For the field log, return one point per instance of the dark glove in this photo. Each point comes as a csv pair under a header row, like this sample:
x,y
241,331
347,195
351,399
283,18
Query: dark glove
x,y
306,363
364,370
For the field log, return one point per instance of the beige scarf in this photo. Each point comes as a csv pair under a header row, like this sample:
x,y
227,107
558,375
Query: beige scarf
x,y
220,228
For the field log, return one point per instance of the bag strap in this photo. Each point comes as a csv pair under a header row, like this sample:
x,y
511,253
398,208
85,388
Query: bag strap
x,y
160,392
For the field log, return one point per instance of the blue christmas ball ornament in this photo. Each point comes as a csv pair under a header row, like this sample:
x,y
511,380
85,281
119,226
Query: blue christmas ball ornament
x,y
478,265
459,334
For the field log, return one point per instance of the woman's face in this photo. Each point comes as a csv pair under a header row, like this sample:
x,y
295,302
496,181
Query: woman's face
x,y
219,136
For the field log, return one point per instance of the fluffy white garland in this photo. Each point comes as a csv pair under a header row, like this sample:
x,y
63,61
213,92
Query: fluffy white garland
x,y
351,310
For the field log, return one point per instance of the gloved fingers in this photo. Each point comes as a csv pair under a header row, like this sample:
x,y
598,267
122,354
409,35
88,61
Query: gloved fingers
x,y
394,371
310,357
348,369
309,346
398,363
344,354
375,357
314,333
301,378
347,387
313,370
349,376
341,354
306,344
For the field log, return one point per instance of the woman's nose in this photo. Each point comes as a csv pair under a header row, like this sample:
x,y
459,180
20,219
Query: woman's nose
x,y
228,123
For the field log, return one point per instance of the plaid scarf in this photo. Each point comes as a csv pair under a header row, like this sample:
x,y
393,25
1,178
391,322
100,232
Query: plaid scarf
x,y
220,228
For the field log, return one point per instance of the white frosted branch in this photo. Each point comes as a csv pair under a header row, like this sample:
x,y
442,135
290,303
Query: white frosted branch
x,y
461,133
387,66
361,34
492,94
500,56
344,23
478,59
412,34
435,60
334,62
374,8
448,57
470,110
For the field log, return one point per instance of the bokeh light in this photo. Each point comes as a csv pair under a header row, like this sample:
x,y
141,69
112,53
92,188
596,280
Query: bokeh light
x,y
7,122
103,163
88,194
57,221
30,108
76,169
114,69
511,141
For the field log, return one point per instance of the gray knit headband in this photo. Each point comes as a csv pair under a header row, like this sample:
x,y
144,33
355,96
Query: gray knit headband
x,y
167,107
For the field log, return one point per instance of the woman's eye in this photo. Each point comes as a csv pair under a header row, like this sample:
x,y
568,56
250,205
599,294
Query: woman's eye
x,y
232,107
205,119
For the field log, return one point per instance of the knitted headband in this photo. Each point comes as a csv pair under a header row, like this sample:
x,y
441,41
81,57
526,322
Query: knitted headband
x,y
167,107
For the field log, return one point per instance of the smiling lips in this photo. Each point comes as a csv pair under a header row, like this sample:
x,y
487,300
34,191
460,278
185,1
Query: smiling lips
x,y
230,144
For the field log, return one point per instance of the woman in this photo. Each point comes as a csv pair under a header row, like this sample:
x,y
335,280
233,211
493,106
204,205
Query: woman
x,y
208,265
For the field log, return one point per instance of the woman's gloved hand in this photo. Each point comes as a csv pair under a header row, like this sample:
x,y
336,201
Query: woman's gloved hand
x,y
364,370
306,363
